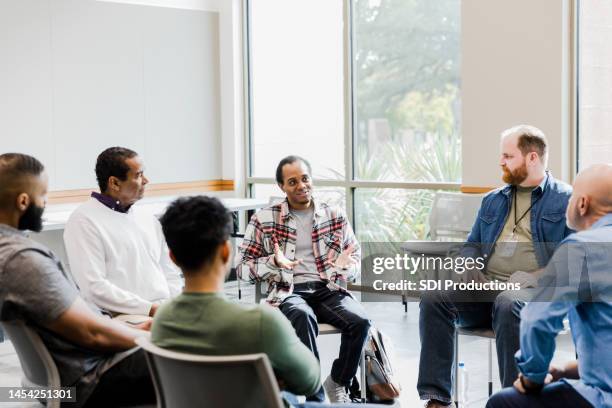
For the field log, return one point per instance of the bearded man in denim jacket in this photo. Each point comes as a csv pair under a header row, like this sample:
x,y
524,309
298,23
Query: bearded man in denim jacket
x,y
517,229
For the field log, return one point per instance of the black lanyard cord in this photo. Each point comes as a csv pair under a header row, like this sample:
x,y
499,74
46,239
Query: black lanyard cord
x,y
515,192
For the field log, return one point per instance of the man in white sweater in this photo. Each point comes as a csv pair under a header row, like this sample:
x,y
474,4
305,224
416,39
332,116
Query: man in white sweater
x,y
116,252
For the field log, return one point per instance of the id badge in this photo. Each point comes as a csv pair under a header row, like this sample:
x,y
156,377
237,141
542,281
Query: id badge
x,y
507,247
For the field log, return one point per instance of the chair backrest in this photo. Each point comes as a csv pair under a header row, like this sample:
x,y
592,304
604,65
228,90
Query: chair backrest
x,y
452,215
37,364
185,380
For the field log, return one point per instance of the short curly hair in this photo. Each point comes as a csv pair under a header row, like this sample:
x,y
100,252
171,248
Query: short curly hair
x,y
111,162
194,228
288,160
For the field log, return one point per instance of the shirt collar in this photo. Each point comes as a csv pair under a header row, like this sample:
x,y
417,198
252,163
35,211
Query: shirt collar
x,y
109,202
286,212
603,221
8,230
539,189
542,185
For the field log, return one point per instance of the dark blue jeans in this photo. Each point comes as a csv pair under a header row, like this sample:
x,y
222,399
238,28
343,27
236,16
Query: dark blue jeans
x,y
440,313
312,303
557,394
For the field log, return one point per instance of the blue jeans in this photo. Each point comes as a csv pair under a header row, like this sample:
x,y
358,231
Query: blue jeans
x,y
557,394
440,313
312,303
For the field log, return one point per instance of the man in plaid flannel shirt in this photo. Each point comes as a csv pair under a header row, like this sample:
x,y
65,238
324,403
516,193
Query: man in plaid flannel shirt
x,y
303,248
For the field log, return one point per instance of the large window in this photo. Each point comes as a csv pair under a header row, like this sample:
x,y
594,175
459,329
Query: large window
x,y
594,82
406,65
369,92
297,85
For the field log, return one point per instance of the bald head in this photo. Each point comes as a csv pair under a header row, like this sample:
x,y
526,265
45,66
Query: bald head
x,y
592,196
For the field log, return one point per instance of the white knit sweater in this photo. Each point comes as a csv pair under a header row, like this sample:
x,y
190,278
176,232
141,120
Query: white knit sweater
x,y
120,260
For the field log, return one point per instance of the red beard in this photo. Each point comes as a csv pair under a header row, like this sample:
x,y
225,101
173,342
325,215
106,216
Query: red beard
x,y
515,177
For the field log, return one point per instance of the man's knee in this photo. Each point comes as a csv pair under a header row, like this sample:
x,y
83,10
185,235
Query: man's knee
x,y
433,303
298,312
506,308
495,401
506,398
429,299
362,326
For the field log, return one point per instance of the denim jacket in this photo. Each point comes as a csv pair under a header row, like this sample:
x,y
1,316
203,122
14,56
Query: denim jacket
x,y
548,225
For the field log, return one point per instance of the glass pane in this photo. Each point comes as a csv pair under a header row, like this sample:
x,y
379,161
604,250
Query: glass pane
x,y
297,79
595,83
408,106
334,196
392,215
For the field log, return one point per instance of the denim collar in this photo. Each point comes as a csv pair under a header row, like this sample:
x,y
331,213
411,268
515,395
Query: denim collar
x,y
539,189
603,221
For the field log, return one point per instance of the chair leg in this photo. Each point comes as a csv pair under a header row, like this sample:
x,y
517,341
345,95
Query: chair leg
x,y
490,367
404,294
456,369
258,292
362,370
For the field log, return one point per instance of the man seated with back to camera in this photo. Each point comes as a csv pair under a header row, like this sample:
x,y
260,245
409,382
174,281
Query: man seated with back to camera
x,y
202,321
93,353
576,285
516,232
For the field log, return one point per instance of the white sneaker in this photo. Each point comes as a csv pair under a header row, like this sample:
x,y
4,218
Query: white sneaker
x,y
335,392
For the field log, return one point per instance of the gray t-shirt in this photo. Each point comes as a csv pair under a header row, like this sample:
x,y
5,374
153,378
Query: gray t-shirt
x,y
35,288
307,270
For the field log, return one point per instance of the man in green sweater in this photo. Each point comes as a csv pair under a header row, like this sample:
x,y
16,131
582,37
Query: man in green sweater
x,y
203,321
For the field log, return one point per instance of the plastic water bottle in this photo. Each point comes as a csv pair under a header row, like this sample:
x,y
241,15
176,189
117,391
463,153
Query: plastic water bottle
x,y
462,385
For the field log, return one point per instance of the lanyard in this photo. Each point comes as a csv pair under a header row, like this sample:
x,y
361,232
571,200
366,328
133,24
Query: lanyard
x,y
516,209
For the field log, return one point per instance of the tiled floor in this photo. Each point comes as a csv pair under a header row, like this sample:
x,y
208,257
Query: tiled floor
x,y
389,317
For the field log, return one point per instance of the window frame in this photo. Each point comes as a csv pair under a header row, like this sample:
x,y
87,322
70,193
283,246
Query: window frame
x,y
575,89
350,184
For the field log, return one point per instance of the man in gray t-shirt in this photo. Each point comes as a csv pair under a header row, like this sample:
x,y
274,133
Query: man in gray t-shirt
x,y
92,352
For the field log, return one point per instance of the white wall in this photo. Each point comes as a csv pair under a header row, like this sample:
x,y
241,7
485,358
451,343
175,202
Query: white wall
x,y
231,80
74,81
515,63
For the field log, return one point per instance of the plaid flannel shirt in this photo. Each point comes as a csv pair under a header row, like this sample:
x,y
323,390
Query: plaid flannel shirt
x,y
331,234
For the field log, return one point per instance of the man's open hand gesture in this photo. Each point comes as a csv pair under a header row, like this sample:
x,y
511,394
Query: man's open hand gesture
x,y
281,260
344,260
